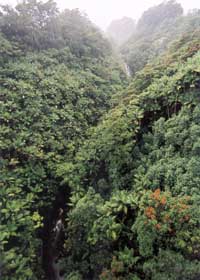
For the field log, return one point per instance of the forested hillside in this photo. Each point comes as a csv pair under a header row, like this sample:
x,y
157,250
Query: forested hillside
x,y
155,31
57,79
100,173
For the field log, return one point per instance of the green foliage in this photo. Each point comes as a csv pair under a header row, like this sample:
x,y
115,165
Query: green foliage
x,y
18,237
126,161
147,224
112,216
35,25
107,159
171,265
83,257
57,78
74,276
155,16
142,158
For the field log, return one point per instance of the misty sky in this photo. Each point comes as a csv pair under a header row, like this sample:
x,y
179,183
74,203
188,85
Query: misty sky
x,y
102,12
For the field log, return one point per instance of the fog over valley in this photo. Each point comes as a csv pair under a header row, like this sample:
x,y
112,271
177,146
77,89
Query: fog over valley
x,y
102,12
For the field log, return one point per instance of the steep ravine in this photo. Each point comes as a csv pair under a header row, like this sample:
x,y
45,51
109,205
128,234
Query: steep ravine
x,y
53,236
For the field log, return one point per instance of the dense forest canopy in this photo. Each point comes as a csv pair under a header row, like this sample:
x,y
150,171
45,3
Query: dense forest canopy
x,y
57,79
99,171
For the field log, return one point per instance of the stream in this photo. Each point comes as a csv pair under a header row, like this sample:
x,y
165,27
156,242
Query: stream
x,y
127,69
53,237
51,250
